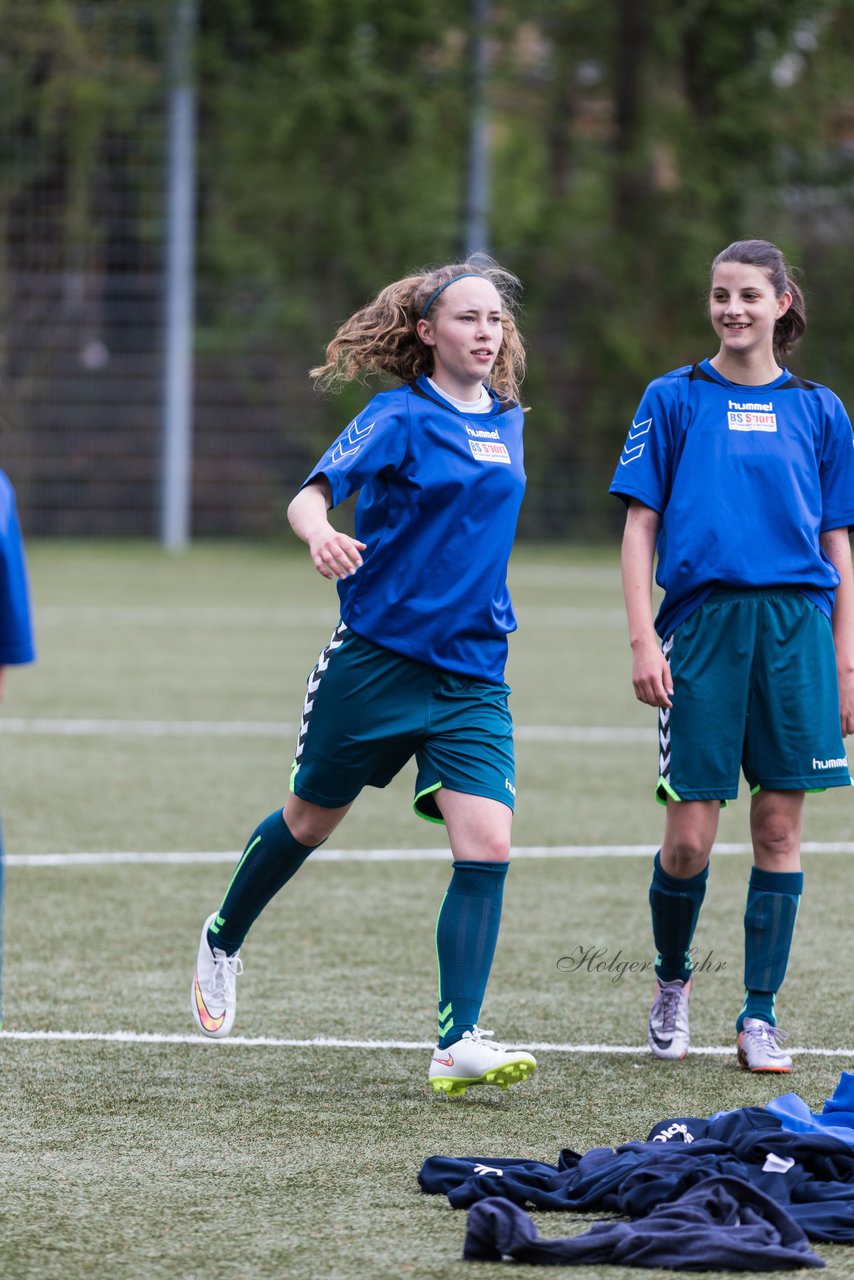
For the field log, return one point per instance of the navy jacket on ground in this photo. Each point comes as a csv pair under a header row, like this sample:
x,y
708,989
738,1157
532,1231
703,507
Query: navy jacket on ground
x,y
722,1224
809,1175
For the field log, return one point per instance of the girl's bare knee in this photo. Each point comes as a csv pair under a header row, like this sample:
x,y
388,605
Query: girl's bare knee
x,y
685,856
310,824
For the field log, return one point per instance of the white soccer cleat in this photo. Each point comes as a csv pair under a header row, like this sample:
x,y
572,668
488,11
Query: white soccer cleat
x,y
473,1060
213,996
759,1047
668,1033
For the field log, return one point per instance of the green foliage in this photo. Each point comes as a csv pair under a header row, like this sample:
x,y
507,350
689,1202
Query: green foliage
x,y
332,158
629,144
73,76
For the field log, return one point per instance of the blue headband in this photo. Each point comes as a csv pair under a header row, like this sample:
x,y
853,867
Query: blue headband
x,y
442,287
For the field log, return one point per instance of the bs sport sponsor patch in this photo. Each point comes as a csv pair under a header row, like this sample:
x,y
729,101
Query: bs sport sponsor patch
x,y
486,445
489,450
751,415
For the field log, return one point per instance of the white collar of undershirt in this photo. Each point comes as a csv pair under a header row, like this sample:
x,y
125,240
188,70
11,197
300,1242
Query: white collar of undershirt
x,y
481,405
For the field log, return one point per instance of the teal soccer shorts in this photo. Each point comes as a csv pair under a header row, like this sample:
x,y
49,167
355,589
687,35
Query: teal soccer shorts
x,y
368,711
754,688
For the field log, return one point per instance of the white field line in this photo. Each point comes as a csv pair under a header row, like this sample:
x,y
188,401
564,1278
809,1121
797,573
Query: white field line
x,y
86,728
332,1042
230,856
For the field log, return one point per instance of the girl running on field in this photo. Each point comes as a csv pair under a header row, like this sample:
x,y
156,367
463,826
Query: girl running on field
x,y
415,667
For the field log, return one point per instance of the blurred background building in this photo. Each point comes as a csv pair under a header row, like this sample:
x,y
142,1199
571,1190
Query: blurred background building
x,y
604,152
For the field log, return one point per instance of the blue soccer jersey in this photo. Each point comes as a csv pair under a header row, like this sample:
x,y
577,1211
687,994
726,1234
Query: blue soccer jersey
x,y
745,479
440,492
16,637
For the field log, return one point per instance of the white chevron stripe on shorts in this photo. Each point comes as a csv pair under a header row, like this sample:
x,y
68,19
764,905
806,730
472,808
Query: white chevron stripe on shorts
x,y
313,684
664,726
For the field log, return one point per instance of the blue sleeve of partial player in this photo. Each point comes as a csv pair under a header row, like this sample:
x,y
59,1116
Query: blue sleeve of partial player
x,y
374,441
16,631
837,469
644,468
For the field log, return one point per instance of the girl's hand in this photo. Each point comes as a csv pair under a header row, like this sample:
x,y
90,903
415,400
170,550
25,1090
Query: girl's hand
x,y
651,677
334,554
846,702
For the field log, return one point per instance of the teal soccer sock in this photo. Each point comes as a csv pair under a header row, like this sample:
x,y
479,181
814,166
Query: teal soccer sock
x,y
466,934
270,858
675,906
773,898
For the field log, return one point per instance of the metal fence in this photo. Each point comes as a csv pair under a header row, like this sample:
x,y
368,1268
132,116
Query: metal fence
x,y
84,333
81,270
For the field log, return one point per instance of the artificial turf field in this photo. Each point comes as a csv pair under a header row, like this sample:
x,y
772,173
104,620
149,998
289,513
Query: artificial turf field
x,y
160,721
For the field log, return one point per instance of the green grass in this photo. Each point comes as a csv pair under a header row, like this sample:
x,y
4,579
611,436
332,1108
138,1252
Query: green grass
x,y
180,1160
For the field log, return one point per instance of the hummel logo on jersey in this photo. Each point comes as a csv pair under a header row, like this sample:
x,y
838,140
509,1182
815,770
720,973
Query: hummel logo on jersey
x,y
631,451
840,763
751,415
355,436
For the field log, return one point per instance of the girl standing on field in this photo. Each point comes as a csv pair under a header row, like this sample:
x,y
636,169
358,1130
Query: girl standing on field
x,y
17,645
416,665
740,476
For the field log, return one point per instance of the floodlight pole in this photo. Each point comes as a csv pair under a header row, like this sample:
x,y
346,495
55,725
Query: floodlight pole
x,y
177,448
476,233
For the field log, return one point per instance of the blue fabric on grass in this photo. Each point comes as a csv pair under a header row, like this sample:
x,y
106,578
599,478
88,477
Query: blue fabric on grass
x,y
720,1224
723,1126
836,1117
810,1174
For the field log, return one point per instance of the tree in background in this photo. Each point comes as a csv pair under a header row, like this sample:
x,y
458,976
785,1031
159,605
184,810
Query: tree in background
x,y
629,143
80,255
657,134
332,140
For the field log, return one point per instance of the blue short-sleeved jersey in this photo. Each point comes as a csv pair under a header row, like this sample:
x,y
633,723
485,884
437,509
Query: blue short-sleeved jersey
x,y
16,636
440,492
745,480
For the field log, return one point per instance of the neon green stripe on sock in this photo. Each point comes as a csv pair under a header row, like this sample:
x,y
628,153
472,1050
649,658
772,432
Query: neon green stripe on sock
x,y
246,854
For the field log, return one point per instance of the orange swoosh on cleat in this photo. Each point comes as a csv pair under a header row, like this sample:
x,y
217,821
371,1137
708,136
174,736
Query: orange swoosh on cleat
x,y
208,1021
445,1062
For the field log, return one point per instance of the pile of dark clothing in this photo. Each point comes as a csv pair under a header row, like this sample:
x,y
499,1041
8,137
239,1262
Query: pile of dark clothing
x,y
742,1190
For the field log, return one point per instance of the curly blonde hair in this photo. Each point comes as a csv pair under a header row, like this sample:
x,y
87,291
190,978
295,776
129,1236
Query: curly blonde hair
x,y
381,337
